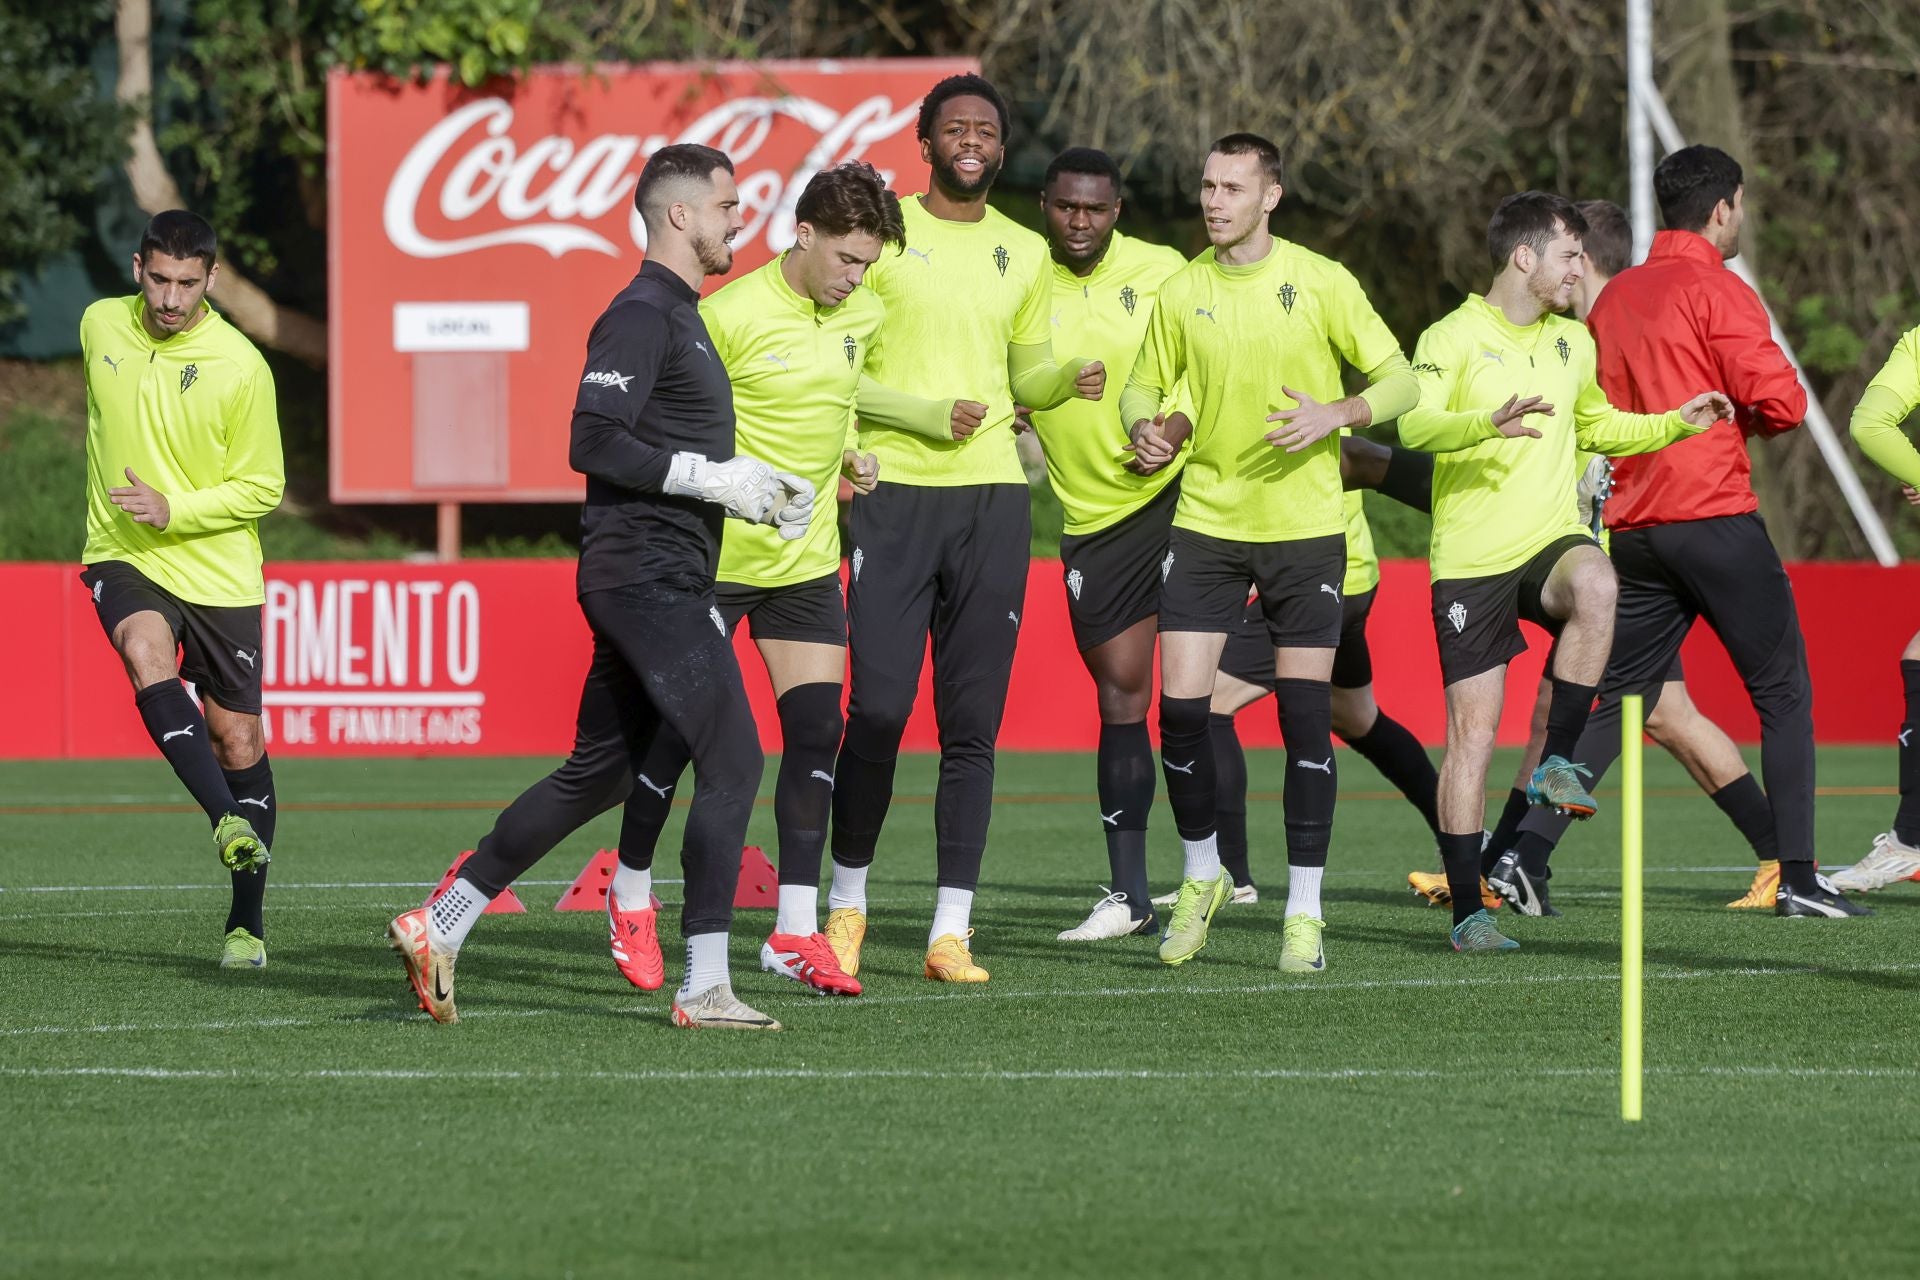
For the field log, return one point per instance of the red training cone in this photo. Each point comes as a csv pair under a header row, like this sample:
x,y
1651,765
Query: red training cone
x,y
759,883
507,903
588,892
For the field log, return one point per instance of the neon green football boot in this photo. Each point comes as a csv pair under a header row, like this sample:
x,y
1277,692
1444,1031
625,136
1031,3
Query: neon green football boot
x,y
239,845
1300,949
1192,913
243,951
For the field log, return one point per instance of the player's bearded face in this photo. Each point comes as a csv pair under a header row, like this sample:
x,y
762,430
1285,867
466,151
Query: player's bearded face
x,y
172,289
1557,272
965,150
1729,241
716,222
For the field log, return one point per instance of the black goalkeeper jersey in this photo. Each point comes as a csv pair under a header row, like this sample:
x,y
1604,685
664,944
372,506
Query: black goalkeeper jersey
x,y
653,386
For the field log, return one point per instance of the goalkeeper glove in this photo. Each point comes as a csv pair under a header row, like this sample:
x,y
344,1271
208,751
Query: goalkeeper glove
x,y
746,487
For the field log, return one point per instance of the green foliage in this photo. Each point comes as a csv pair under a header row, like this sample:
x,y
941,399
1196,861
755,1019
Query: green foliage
x,y
1828,344
57,132
44,515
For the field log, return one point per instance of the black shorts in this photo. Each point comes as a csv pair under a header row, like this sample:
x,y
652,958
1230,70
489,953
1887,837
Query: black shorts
x,y
1249,654
1113,574
1204,583
948,562
219,647
811,612
1477,620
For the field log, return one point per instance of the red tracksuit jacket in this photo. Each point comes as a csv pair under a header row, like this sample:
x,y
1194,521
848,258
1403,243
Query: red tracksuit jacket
x,y
1673,327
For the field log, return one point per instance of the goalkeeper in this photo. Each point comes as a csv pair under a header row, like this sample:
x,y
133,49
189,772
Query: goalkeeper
x,y
653,432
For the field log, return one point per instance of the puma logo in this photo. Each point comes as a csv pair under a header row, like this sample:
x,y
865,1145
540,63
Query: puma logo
x,y
245,657
112,364
1331,590
647,782
777,360
1180,768
176,733
925,255
823,775
262,803
1112,819
1903,736
1324,766
1203,311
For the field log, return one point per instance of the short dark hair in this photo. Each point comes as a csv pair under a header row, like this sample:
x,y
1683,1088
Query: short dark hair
x,y
1252,144
179,234
1691,182
851,197
670,166
966,85
1609,236
1531,218
1092,162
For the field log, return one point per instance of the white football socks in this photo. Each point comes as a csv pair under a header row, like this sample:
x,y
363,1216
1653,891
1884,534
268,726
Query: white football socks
x,y
633,886
952,909
1203,858
452,914
1303,891
799,910
849,888
706,964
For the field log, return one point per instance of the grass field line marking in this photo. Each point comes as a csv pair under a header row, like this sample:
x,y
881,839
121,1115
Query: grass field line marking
x,y
259,1024
277,887
1373,984
989,1076
189,911
121,1028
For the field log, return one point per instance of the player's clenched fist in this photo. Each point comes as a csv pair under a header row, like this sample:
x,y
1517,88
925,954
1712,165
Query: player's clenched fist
x,y
1091,382
966,418
862,470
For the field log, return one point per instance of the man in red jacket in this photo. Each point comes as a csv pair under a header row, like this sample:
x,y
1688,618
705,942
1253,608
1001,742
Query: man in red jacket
x,y
1688,541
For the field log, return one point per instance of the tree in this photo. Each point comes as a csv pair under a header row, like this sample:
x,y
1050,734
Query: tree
x,y
56,133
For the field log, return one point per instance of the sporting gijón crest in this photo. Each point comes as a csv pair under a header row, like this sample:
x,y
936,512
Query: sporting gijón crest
x,y
187,377
1560,345
1287,294
1000,258
852,349
1128,298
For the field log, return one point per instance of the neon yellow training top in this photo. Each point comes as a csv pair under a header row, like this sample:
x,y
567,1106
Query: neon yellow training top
x,y
959,296
1884,406
194,416
1237,335
795,369
1497,502
1103,315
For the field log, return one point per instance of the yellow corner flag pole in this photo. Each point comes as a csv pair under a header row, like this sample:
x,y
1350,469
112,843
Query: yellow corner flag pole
x,y
1631,943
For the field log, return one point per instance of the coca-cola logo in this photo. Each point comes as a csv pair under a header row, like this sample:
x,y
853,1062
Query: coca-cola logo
x,y
550,192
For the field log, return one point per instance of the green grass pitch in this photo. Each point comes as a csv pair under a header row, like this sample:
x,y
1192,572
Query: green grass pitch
x,y
1408,1112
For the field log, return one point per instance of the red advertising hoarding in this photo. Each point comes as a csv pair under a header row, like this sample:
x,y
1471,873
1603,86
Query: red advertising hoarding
x,y
474,235
486,658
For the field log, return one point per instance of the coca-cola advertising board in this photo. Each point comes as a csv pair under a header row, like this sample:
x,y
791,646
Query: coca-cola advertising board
x,y
474,235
